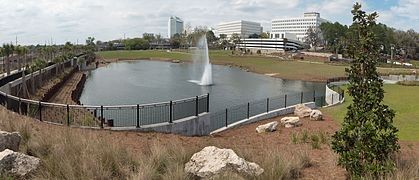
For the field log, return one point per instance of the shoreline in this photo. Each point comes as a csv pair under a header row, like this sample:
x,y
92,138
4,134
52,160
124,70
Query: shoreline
x,y
104,62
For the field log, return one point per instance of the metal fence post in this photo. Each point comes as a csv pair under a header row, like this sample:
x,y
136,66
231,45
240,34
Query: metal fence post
x,y
248,110
314,96
208,99
301,97
226,117
196,106
171,112
285,104
267,105
138,116
332,99
40,110
20,110
68,115
101,117
6,102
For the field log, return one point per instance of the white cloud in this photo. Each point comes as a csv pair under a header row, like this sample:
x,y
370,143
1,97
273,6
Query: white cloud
x,y
403,16
37,21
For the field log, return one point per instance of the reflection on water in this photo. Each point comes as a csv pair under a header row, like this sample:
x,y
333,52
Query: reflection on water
x,y
140,82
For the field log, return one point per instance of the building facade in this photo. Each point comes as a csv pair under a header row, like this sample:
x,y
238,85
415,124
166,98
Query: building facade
x,y
175,26
297,26
243,28
269,45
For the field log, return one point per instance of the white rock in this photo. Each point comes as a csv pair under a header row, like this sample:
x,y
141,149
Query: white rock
x,y
269,127
290,122
212,161
316,115
302,110
17,164
9,140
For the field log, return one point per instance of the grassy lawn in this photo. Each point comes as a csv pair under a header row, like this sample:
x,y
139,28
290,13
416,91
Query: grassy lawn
x,y
403,99
303,70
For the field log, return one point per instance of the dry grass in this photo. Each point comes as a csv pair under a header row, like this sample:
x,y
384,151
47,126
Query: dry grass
x,y
68,153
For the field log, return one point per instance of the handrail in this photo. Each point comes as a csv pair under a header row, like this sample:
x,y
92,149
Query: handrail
x,y
95,106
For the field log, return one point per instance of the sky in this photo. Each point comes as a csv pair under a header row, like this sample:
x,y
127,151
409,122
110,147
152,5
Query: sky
x,y
59,21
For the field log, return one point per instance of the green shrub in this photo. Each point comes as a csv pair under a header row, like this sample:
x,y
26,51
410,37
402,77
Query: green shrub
x,y
367,140
315,141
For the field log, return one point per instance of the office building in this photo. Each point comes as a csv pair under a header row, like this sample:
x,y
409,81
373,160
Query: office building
x,y
243,28
175,26
297,26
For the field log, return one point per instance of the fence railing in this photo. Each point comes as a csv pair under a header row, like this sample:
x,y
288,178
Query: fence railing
x,y
107,116
237,113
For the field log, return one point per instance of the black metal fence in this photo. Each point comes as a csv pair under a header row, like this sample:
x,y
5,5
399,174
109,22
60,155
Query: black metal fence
x,y
107,116
245,111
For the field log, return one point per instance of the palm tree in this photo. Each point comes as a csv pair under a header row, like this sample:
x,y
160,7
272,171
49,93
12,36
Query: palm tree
x,y
1,56
19,51
7,51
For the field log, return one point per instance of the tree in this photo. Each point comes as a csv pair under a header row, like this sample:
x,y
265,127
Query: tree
x,y
264,35
211,37
149,37
235,38
333,34
7,51
367,139
175,41
254,36
136,44
313,38
223,36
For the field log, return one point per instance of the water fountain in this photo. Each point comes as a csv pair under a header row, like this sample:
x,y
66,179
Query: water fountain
x,y
202,57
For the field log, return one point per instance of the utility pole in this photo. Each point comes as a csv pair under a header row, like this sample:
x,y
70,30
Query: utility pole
x,y
392,49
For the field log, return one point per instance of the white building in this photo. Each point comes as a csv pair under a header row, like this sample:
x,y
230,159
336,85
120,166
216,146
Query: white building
x,y
297,26
269,45
175,26
243,28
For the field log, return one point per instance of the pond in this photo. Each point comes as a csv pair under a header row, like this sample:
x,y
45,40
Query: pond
x,y
142,81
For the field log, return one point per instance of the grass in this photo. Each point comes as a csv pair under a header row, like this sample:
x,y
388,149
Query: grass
x,y
315,139
415,63
286,69
408,83
71,153
403,99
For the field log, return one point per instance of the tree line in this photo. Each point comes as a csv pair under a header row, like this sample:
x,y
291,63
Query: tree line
x,y
403,44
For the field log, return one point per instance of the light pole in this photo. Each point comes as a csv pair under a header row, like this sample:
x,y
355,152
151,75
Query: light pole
x,y
392,49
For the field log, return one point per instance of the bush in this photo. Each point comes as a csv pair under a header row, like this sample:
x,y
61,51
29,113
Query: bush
x,y
367,141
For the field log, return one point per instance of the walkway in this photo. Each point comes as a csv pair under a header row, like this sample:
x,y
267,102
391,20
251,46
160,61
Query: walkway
x,y
63,96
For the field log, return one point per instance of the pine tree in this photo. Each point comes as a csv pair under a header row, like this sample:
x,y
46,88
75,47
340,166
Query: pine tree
x,y
367,140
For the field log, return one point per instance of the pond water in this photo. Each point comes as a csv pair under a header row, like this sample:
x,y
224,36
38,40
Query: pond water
x,y
141,82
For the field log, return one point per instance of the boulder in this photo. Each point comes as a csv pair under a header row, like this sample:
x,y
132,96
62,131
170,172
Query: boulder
x,y
290,122
269,127
212,161
17,164
316,115
9,140
302,110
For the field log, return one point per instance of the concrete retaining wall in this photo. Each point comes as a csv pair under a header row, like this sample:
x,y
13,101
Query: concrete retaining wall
x,y
332,97
190,126
263,116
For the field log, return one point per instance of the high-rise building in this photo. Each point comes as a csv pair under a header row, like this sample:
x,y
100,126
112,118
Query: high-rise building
x,y
243,28
297,26
175,26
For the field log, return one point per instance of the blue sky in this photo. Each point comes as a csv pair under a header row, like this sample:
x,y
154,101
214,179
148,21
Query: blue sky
x,y
38,21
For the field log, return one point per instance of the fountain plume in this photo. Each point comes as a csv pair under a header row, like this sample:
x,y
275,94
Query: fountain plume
x,y
206,78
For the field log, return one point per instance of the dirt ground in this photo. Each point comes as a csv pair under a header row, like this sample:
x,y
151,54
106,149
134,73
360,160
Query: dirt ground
x,y
63,96
240,139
